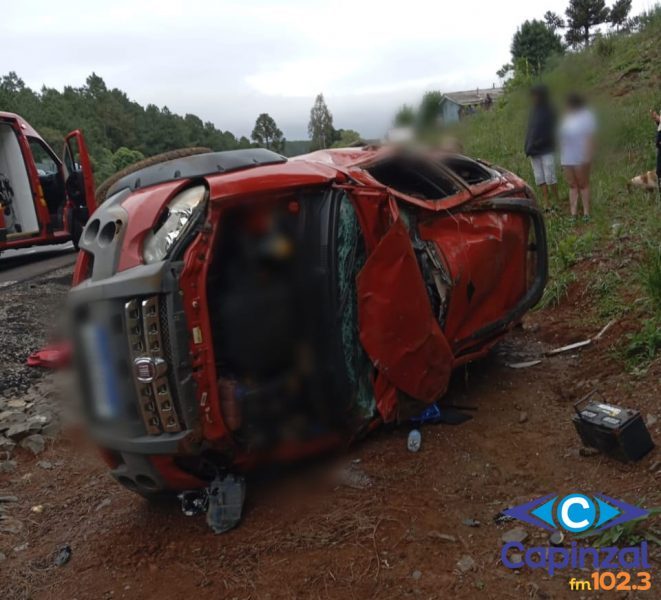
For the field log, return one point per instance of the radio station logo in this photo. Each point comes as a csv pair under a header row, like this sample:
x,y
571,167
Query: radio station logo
x,y
576,513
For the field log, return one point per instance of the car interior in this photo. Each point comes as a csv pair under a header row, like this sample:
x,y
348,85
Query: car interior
x,y
51,180
413,176
19,211
470,171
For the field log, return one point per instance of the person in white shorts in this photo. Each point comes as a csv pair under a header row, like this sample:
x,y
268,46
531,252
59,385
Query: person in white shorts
x,y
540,144
576,133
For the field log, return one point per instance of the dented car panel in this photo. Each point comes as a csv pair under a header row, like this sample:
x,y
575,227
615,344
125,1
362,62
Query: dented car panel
x,y
302,302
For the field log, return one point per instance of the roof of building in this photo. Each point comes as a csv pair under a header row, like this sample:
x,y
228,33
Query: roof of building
x,y
470,97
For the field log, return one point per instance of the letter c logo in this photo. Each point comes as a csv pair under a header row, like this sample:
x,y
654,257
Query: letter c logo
x,y
576,512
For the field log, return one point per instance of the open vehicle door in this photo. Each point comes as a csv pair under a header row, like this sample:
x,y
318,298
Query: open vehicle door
x,y
79,183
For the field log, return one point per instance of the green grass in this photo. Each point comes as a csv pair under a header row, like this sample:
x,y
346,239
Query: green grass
x,y
627,534
621,77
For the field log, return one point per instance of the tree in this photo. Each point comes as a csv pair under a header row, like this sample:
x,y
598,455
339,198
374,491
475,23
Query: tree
x,y
619,13
266,133
535,42
320,127
346,138
553,21
125,157
505,70
582,16
117,130
405,116
430,108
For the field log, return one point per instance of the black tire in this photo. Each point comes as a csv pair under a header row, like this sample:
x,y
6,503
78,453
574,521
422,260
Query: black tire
x,y
102,190
76,231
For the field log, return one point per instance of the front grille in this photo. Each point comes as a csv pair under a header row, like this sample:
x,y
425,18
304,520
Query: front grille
x,y
151,361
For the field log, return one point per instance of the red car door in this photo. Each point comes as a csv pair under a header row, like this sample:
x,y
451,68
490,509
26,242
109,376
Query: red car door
x,y
79,183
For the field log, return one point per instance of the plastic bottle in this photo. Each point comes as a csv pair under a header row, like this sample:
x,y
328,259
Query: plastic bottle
x,y
414,441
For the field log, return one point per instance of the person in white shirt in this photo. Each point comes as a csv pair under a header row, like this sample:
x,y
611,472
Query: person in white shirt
x,y
576,136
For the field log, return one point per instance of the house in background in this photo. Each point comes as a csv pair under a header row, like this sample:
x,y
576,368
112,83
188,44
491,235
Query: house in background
x,y
456,105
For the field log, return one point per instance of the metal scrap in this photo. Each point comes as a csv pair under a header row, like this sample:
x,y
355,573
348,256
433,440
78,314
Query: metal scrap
x,y
524,364
569,347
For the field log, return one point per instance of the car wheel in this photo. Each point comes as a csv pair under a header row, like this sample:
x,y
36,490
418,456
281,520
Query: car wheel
x,y
102,190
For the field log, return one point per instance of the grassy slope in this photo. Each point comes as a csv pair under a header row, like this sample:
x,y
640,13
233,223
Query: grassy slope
x,y
612,267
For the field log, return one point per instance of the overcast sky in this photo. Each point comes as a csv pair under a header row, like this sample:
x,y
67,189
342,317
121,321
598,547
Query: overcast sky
x,y
228,61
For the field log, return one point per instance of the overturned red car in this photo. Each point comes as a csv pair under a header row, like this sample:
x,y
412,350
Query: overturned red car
x,y
238,307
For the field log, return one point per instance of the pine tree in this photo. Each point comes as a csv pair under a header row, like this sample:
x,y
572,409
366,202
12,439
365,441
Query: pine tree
x,y
583,15
320,127
266,133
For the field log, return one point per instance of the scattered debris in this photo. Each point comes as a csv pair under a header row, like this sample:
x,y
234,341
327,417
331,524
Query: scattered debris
x,y
604,330
414,440
450,415
569,347
471,522
62,556
105,502
502,518
354,477
556,538
618,432
466,563
587,452
226,497
523,365
56,356
38,509
35,443
444,537
518,534
193,503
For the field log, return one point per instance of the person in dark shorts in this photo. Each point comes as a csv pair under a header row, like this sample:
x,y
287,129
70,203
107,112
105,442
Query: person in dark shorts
x,y
657,119
540,144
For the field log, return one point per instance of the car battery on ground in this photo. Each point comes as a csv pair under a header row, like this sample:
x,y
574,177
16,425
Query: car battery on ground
x,y
618,432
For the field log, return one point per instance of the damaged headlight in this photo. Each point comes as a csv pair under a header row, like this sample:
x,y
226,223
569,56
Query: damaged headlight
x,y
175,221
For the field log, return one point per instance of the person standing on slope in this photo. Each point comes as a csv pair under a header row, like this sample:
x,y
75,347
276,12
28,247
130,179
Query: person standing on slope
x,y
540,144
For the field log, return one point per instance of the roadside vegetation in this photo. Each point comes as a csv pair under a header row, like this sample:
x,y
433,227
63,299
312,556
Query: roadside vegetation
x,y
611,266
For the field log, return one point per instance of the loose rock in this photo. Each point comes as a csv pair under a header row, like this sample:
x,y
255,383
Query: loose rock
x,y
62,556
10,525
416,575
7,466
35,443
471,522
523,417
18,430
518,534
466,563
